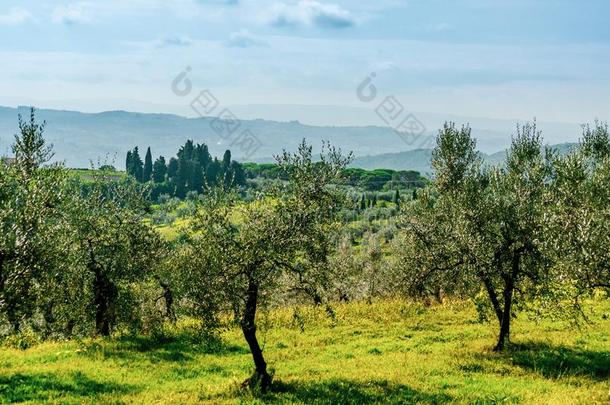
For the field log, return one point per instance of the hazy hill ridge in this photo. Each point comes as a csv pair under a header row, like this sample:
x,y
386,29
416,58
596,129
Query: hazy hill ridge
x,y
419,159
81,137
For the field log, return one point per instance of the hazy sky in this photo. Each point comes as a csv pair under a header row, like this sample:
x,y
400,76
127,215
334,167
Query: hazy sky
x,y
505,59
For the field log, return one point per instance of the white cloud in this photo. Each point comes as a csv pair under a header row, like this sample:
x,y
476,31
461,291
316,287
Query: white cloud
x,y
244,39
174,40
88,11
310,13
15,16
76,13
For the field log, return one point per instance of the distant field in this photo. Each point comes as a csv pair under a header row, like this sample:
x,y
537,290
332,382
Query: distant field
x,y
87,174
391,352
171,232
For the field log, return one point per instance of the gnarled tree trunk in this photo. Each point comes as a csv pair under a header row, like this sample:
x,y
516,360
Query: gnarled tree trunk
x,y
507,294
493,297
104,292
506,314
168,296
9,303
248,327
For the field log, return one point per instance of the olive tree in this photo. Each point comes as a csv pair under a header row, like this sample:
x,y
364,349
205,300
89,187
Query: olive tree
x,y
245,249
346,277
579,212
30,197
112,246
486,224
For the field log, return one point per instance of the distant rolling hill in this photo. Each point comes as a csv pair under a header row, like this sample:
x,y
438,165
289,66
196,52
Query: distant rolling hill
x,y
419,159
80,138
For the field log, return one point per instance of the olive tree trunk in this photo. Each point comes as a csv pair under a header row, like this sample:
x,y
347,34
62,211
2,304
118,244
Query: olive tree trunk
x,y
104,293
248,327
504,335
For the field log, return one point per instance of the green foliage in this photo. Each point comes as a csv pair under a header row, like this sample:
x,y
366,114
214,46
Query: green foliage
x,y
578,220
192,170
111,248
70,245
148,167
240,263
22,340
80,256
159,170
135,166
505,227
30,148
30,195
369,180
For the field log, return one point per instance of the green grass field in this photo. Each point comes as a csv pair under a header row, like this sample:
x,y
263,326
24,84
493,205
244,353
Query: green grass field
x,y
390,352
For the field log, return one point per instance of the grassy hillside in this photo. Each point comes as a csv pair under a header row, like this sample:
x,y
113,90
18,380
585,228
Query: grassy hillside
x,y
393,352
88,174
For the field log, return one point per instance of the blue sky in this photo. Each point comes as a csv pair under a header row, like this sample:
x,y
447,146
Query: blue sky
x,y
502,59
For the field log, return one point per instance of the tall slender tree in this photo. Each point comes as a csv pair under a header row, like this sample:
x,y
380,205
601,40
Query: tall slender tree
x,y
128,162
148,166
137,166
226,160
239,175
159,170
172,168
213,172
183,176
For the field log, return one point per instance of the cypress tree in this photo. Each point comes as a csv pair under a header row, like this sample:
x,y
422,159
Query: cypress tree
x,y
183,176
186,151
136,164
148,166
196,180
213,172
363,202
172,168
397,198
415,194
159,170
239,175
203,155
226,160
128,162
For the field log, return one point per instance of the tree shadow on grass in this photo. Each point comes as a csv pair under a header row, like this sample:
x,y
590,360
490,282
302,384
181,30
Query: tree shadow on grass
x,y
180,349
44,387
340,391
560,361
